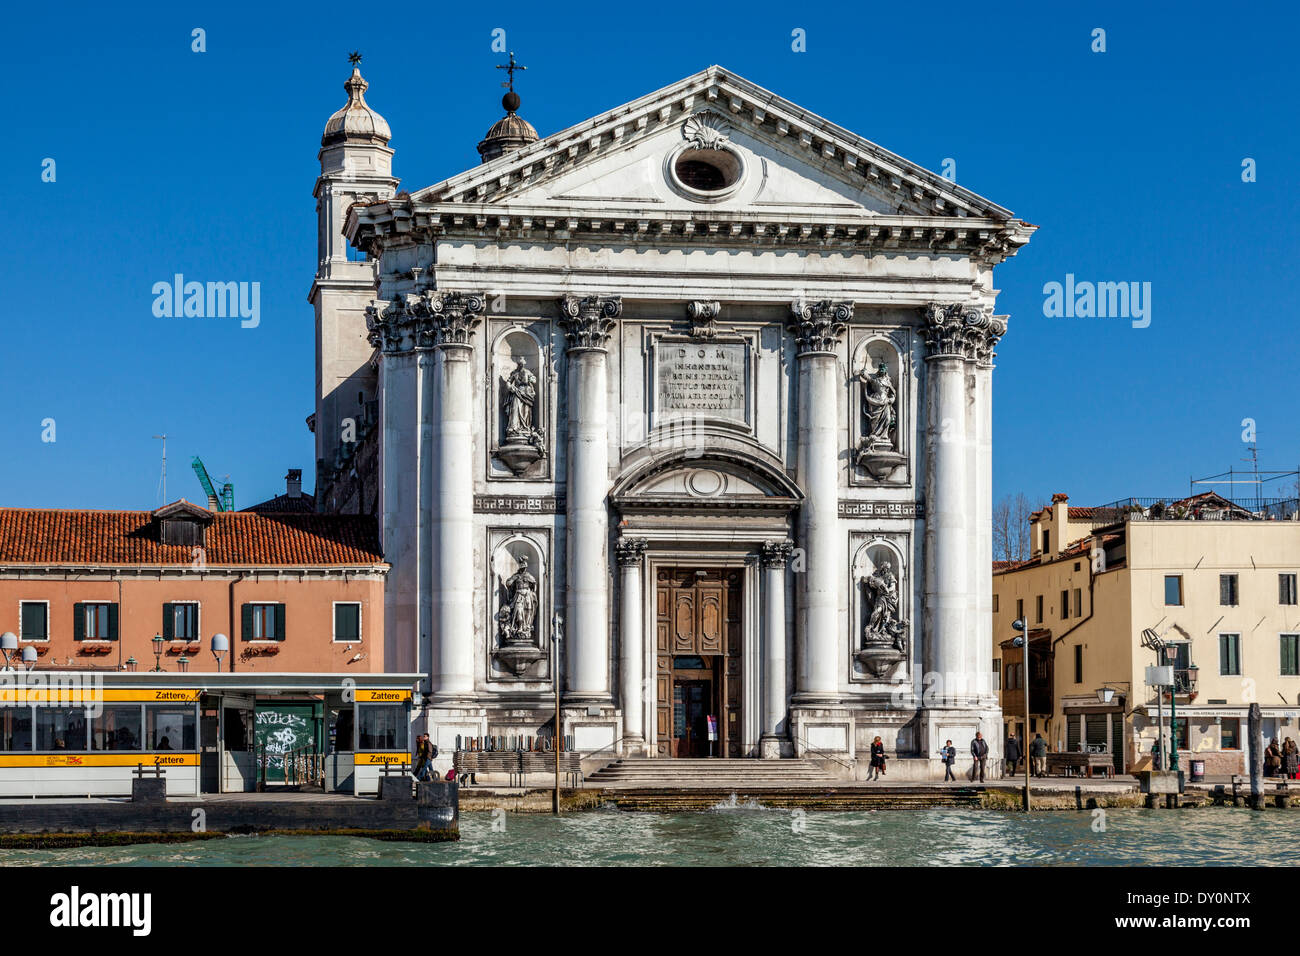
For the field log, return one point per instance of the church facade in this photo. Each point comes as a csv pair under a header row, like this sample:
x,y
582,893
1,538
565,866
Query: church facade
x,y
696,393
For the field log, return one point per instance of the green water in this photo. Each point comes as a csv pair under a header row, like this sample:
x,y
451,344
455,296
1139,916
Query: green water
x,y
742,836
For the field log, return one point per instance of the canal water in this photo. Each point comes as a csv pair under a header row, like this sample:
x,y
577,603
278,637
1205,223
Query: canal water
x,y
732,835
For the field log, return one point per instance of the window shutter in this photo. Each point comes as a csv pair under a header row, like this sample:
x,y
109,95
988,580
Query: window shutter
x,y
169,623
112,622
78,622
246,621
279,622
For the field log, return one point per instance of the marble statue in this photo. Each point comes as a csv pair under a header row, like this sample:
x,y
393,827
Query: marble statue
x,y
884,626
519,401
880,406
518,615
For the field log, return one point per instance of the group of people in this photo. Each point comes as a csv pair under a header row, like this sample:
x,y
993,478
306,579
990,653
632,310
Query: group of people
x,y
979,751
1283,760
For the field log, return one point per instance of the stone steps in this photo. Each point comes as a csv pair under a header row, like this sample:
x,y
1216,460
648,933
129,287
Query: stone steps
x,y
669,800
716,774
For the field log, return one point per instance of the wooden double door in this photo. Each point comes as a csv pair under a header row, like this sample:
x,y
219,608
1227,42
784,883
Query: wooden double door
x,y
698,661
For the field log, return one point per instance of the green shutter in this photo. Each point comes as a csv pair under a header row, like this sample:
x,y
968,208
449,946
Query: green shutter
x,y
169,623
279,622
78,622
246,621
112,622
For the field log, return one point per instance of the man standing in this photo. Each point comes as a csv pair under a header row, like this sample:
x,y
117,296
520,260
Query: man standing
x,y
1038,753
1013,756
979,750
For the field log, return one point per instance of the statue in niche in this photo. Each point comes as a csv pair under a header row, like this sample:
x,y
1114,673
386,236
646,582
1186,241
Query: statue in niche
x,y
884,626
523,443
880,406
518,614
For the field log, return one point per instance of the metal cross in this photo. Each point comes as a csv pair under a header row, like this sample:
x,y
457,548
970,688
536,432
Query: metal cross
x,y
354,58
511,67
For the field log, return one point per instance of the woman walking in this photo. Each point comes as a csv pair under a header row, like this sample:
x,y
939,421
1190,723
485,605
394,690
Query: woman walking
x,y
1272,759
1290,759
877,760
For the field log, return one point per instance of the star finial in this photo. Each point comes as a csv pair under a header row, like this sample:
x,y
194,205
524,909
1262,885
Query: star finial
x,y
354,58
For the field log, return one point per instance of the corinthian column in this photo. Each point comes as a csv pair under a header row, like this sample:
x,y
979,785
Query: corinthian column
x,y
587,323
985,330
631,552
817,328
949,641
775,554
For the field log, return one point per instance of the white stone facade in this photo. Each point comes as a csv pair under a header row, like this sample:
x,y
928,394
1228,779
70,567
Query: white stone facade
x,y
699,287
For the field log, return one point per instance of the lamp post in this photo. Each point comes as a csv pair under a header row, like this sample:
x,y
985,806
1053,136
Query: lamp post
x,y
1020,624
131,663
8,644
220,645
157,653
1152,642
29,657
1171,655
183,663
557,627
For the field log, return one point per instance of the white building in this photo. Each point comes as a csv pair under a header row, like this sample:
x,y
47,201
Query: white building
x,y
703,386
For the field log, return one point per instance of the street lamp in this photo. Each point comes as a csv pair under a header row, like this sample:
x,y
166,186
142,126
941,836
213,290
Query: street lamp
x,y
1171,655
220,645
557,626
183,663
131,663
1105,695
29,657
8,644
1152,642
158,652
1020,624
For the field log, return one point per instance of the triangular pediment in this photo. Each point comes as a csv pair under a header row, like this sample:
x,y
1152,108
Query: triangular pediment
x,y
792,160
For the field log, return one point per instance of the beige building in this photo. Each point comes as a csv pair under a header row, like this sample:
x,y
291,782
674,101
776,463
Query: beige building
x,y
1215,581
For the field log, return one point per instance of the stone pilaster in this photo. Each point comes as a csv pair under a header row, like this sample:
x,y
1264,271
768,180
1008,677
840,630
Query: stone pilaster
x,y
773,560
587,323
631,560
818,328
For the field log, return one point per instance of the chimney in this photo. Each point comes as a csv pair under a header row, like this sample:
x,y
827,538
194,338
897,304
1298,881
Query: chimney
x,y
1060,517
293,483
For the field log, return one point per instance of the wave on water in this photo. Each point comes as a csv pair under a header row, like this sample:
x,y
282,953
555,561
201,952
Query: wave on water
x,y
732,803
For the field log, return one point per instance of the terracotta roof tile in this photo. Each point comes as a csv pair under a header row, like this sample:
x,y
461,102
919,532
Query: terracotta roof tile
x,y
79,538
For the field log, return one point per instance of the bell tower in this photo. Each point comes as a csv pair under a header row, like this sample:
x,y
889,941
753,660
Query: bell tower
x,y
356,166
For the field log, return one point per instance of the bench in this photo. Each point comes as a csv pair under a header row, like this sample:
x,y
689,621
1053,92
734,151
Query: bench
x,y
517,763
1071,764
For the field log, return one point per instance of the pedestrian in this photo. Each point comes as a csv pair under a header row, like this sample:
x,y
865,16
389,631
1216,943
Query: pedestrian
x,y
1290,759
424,755
877,760
979,750
948,753
1013,756
1038,755
1272,759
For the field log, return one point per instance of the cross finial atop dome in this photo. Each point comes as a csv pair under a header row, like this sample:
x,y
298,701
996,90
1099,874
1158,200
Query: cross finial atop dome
x,y
356,122
512,131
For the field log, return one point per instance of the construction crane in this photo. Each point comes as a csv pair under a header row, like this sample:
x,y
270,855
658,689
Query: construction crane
x,y
223,502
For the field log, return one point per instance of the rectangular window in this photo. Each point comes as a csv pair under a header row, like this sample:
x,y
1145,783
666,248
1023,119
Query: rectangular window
x,y
94,621
60,728
1065,605
1174,590
1230,654
1020,608
1047,541
1290,655
347,622
34,620
263,622
1078,663
1038,608
1228,590
169,727
15,728
1230,734
1078,602
181,621
997,673
382,727
117,728
995,604
1286,589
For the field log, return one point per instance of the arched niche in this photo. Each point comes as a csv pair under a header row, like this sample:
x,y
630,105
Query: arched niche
x,y
519,413
520,583
881,612
881,410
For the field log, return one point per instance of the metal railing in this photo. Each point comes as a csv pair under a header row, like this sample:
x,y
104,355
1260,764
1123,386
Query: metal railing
x,y
809,748
1189,509
302,766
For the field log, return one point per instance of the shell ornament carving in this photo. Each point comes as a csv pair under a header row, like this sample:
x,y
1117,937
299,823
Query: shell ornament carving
x,y
705,131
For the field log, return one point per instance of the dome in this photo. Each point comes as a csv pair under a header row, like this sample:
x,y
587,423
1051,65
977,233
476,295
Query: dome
x,y
509,133
356,122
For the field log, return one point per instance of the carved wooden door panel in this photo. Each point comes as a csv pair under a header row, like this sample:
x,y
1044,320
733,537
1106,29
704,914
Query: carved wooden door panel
x,y
734,677
663,668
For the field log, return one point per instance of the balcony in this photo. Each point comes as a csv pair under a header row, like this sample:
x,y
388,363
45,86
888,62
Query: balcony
x,y
1185,681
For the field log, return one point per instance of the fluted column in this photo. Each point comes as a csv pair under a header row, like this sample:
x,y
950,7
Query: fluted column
x,y
985,330
950,620
817,328
774,556
631,554
587,324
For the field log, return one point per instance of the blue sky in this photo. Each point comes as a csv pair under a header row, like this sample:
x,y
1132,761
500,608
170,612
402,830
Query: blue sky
x,y
172,161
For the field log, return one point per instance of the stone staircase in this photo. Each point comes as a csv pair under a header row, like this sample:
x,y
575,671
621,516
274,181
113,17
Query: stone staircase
x,y
672,786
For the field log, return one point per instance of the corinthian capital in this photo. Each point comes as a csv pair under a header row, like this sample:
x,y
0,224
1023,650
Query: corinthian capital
x,y
961,331
818,326
588,320
630,551
775,554
424,320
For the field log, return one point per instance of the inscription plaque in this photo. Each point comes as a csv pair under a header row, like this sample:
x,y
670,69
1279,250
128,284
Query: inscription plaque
x,y
695,380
